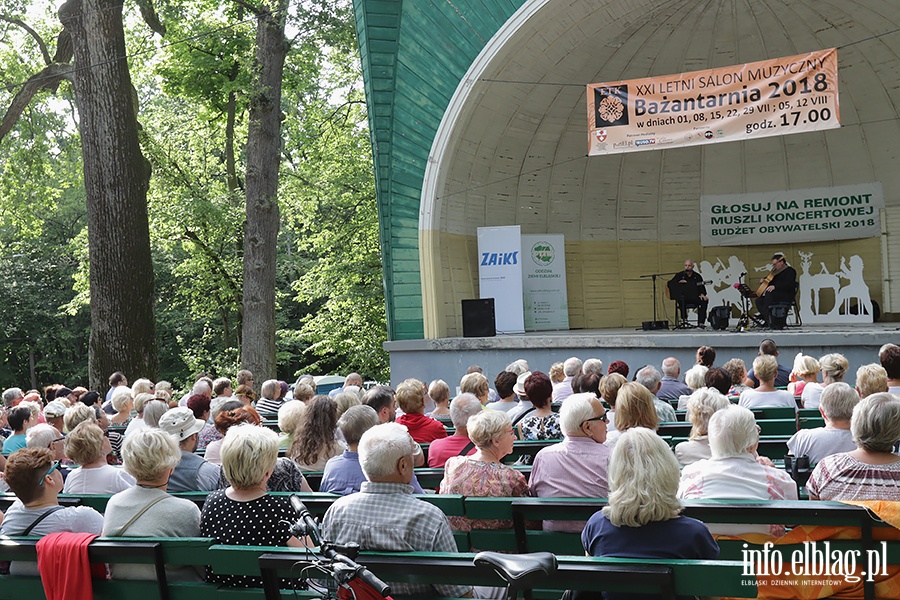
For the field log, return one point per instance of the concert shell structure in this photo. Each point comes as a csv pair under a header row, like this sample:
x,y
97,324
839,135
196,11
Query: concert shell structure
x,y
478,118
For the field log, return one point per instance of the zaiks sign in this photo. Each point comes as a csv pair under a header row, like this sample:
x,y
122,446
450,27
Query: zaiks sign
x,y
767,98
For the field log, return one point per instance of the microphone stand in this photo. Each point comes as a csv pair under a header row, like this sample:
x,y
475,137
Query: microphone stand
x,y
653,277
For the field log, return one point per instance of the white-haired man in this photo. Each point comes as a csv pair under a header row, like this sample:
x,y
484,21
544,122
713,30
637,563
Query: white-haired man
x,y
461,408
12,396
669,387
571,368
384,515
576,467
593,366
193,473
650,378
353,379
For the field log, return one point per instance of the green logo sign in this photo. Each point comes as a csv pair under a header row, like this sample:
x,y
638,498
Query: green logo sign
x,y
542,253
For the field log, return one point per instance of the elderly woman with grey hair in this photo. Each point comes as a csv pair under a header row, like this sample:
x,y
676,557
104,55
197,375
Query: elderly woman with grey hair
x,y
834,367
733,471
244,514
147,510
872,471
482,474
836,406
701,406
462,408
695,378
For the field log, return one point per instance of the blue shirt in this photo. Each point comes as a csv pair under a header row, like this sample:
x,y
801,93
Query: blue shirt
x,y
13,443
343,475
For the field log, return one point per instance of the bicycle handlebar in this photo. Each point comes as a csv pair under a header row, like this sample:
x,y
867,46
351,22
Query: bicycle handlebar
x,y
326,549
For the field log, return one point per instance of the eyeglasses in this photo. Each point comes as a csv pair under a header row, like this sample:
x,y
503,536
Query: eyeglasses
x,y
60,439
602,417
52,468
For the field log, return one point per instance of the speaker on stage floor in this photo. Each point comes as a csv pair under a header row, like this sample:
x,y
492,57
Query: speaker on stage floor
x,y
778,316
478,318
718,317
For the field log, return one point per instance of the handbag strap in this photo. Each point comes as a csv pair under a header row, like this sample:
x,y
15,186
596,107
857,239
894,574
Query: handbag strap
x,y
522,415
41,518
465,450
137,516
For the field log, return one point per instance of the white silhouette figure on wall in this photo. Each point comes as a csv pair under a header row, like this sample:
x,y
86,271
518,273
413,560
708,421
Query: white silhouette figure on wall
x,y
822,298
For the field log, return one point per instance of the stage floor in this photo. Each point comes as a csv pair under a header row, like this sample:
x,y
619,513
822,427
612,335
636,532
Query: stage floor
x,y
448,358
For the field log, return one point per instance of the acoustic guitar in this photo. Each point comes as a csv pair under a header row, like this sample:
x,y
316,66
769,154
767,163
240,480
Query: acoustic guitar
x,y
768,281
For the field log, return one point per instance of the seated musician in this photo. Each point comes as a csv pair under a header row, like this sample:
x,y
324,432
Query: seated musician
x,y
687,289
782,285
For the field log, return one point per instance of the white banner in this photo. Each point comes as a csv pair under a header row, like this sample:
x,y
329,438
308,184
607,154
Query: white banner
x,y
500,275
544,282
837,213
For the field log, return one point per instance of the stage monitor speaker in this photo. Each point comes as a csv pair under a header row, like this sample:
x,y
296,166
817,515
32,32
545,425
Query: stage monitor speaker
x,y
654,325
778,316
718,317
478,318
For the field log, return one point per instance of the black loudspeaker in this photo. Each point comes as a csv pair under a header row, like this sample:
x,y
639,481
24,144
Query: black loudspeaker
x,y
778,316
654,325
718,317
478,318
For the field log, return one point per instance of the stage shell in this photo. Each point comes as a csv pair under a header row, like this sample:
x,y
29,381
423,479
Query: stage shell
x,y
477,114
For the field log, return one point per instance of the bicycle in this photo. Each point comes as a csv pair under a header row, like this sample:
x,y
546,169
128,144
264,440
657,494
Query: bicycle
x,y
336,562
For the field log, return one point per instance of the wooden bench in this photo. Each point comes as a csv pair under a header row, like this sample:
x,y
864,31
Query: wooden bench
x,y
663,579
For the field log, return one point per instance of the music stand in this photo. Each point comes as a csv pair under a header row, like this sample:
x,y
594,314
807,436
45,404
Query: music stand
x,y
746,320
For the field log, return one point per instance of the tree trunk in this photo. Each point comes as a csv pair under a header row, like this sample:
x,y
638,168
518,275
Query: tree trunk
x,y
262,223
116,177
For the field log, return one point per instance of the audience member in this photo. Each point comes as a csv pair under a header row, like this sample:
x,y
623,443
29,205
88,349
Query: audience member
x,y
223,422
33,476
20,420
805,372
192,474
244,514
576,467
592,366
440,395
146,509
345,400
476,384
290,416
701,405
836,407
872,471
733,471
88,447
315,443
269,401
643,518
482,474
122,404
706,356
768,347
247,396
381,398
543,423
462,408
765,394
117,379
890,360
670,388
738,371
138,423
12,396
556,374
650,378
609,391
834,367
343,474
871,379
618,366
53,414
411,398
571,368
384,515
524,407
695,379
634,408
505,383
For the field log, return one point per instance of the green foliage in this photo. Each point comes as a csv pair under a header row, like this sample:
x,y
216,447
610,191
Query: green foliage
x,y
330,314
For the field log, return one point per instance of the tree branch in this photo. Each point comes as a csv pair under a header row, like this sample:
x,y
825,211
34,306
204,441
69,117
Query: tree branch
x,y
32,33
47,79
148,12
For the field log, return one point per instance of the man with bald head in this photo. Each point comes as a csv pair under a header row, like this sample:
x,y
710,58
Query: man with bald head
x,y
687,289
669,387
353,379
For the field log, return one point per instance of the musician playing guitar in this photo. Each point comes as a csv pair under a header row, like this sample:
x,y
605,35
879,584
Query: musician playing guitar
x,y
690,293
778,287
